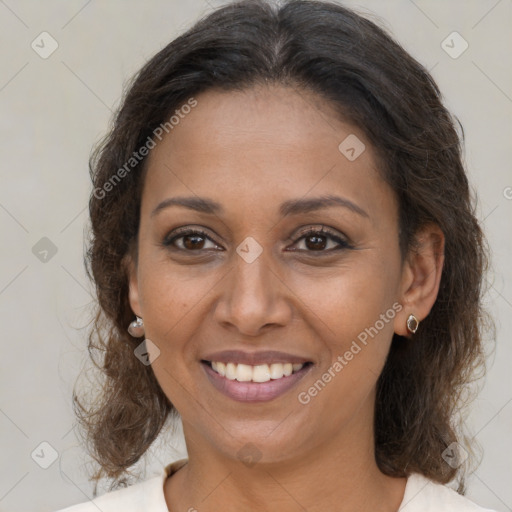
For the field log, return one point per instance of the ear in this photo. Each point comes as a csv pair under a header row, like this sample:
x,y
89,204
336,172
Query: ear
x,y
421,276
133,283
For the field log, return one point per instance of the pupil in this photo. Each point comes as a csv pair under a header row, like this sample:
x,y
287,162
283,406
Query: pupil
x,y
318,243
197,240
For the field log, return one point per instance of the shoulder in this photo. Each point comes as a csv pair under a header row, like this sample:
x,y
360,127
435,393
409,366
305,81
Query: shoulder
x,y
139,496
424,495
146,495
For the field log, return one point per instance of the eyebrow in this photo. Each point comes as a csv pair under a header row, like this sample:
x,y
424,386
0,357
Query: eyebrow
x,y
290,207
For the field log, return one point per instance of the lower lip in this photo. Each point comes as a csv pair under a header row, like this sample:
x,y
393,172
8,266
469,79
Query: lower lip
x,y
254,391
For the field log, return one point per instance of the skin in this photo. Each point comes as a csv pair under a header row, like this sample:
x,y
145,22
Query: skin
x,y
250,151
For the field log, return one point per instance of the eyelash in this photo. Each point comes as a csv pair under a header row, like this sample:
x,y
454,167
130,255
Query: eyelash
x,y
342,244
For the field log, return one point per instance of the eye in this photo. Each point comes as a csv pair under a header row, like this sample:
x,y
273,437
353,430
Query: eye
x,y
189,240
318,240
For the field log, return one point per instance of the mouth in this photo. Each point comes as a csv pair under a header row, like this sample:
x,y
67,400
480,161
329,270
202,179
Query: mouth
x,y
254,383
255,373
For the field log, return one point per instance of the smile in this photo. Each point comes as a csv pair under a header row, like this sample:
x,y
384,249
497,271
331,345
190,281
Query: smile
x,y
258,373
247,383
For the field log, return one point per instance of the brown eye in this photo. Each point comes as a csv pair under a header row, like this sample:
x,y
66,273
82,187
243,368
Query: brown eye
x,y
315,242
190,241
193,241
321,241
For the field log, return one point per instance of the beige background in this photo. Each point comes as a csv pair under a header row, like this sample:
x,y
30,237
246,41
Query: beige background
x,y
53,110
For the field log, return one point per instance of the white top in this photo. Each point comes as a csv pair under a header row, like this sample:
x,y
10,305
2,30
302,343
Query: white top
x,y
421,495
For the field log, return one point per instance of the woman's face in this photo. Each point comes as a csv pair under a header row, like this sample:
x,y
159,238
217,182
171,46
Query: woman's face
x,y
261,279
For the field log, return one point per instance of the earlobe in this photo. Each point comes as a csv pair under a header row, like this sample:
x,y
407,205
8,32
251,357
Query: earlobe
x,y
421,278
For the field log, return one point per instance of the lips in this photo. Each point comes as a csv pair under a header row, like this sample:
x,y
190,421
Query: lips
x,y
241,375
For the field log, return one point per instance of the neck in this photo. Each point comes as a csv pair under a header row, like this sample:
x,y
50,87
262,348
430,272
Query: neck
x,y
339,476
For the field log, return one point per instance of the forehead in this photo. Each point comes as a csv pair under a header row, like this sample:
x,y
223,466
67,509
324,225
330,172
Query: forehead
x,y
261,144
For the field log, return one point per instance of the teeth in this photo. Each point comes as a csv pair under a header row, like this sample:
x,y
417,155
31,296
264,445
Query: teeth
x,y
259,373
243,372
287,369
220,368
230,371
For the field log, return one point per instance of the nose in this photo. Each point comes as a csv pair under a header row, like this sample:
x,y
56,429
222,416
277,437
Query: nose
x,y
254,298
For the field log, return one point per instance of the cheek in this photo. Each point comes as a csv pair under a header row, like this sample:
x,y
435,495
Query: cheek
x,y
351,315
169,294
173,307
349,300
353,322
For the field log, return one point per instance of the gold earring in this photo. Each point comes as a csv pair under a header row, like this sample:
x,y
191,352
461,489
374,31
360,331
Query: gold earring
x,y
412,324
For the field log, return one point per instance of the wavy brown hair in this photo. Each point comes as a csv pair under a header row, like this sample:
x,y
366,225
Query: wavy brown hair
x,y
355,66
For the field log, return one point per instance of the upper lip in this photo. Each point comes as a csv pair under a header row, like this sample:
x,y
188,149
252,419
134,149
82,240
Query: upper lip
x,y
254,358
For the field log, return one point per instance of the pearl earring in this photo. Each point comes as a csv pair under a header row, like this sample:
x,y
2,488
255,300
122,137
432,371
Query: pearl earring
x,y
412,324
136,328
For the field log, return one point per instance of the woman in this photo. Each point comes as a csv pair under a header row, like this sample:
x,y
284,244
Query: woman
x,y
285,253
